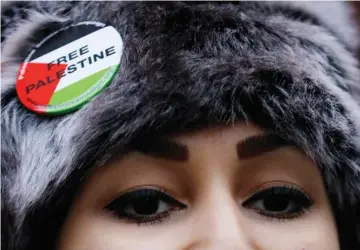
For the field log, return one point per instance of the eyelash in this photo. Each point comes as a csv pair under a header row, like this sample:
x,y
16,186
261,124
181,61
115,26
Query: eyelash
x,y
120,205
299,199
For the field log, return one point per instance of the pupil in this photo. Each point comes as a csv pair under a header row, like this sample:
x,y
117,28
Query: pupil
x,y
147,205
276,203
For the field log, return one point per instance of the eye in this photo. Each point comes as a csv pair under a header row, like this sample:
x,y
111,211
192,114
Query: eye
x,y
279,202
144,206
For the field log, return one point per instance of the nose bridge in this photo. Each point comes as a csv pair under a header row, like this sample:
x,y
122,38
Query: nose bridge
x,y
218,224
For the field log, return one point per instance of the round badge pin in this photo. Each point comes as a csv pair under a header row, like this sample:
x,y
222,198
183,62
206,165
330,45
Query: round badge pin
x,y
69,67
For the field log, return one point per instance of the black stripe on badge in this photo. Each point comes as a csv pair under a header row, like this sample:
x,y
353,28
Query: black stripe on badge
x,y
68,35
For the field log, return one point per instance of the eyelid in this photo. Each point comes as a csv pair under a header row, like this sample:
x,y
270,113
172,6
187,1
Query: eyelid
x,y
147,186
141,193
283,190
276,183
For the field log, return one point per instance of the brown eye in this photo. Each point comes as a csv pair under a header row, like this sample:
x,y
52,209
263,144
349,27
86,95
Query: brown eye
x,y
279,202
144,205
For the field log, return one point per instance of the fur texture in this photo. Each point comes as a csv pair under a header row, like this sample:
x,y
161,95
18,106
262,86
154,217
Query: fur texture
x,y
185,66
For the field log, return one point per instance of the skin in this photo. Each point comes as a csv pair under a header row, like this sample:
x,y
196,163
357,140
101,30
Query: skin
x,y
213,182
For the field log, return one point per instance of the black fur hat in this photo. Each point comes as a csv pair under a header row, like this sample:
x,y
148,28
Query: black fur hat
x,y
287,67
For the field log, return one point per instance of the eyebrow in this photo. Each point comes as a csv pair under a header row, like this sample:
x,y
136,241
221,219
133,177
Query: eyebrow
x,y
260,144
162,148
250,147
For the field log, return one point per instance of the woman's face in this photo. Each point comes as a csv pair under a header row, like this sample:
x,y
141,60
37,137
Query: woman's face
x,y
221,188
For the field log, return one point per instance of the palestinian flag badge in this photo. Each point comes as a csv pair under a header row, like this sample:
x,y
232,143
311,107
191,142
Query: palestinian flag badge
x,y
69,67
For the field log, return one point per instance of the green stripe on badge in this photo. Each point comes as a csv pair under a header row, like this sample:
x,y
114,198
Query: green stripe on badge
x,y
77,88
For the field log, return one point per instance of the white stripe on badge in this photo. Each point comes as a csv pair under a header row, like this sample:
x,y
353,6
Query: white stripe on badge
x,y
106,42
